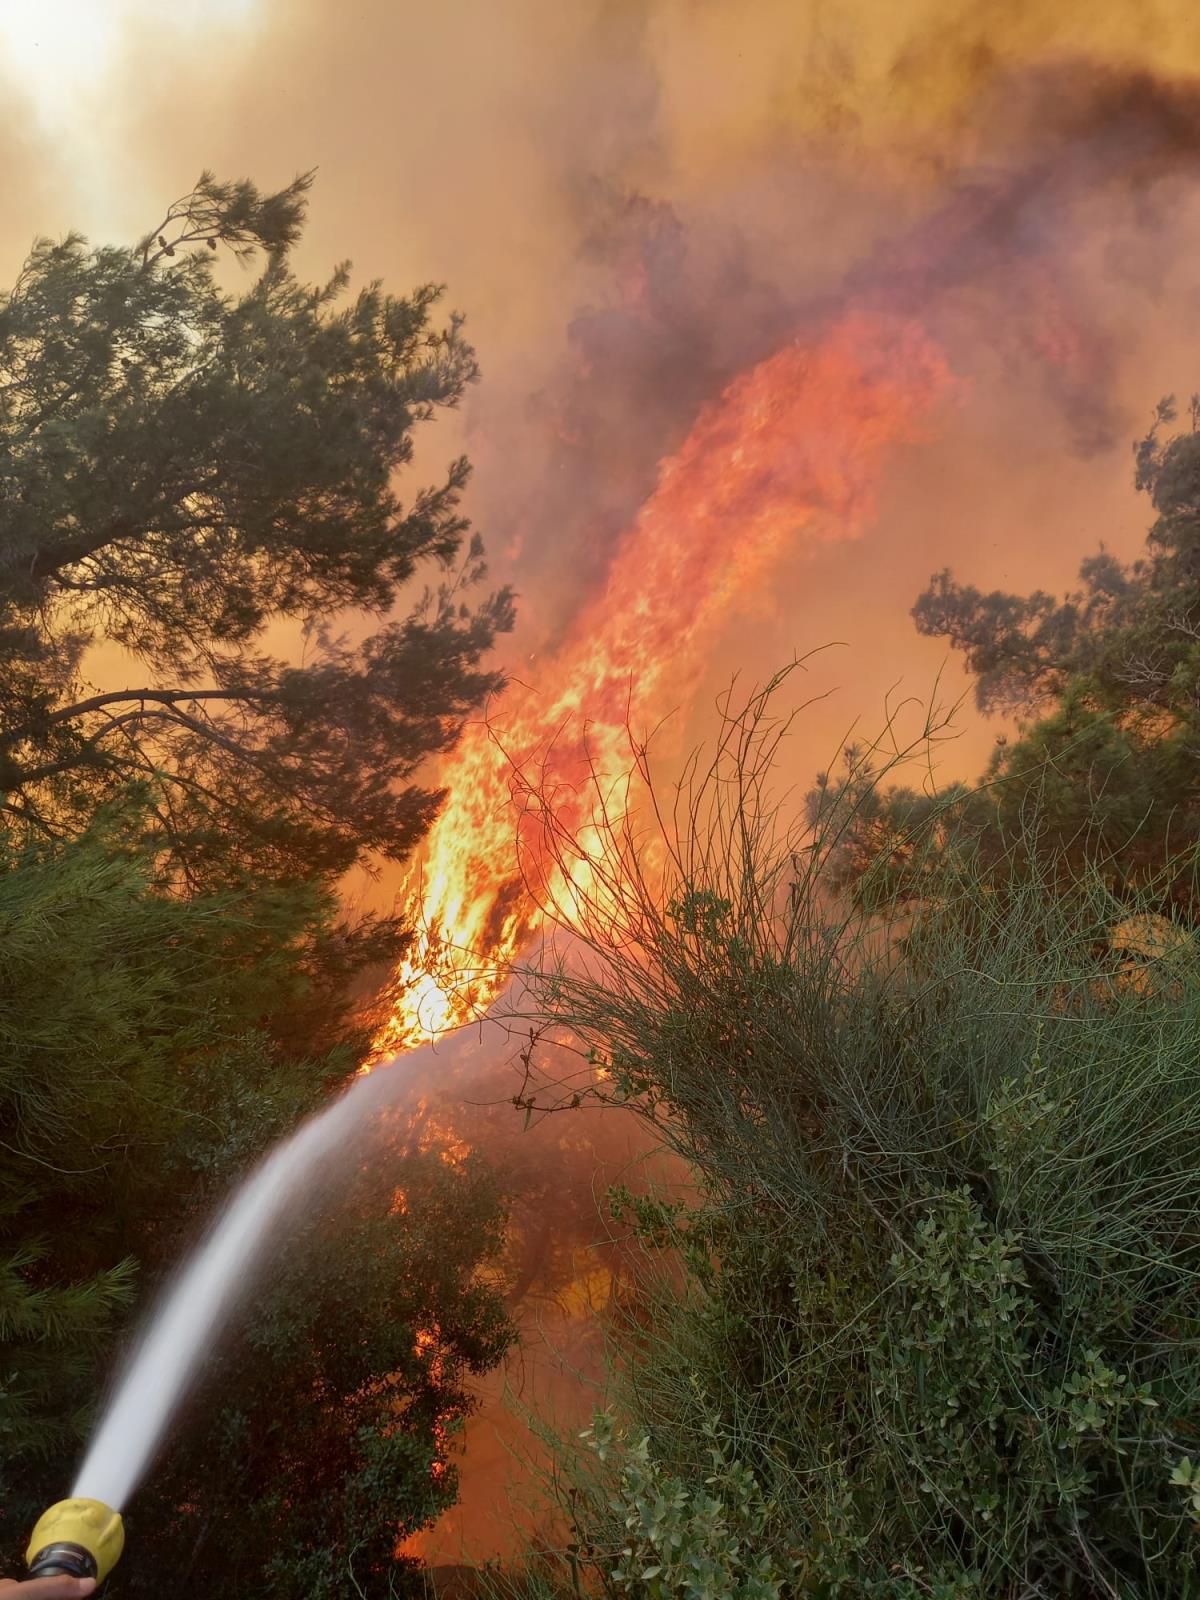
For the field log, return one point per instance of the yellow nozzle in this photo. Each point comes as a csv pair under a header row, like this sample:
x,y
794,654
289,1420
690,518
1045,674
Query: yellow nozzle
x,y
81,1537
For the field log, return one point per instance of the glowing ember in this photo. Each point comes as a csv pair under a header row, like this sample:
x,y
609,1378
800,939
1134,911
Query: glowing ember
x,y
791,451
427,1349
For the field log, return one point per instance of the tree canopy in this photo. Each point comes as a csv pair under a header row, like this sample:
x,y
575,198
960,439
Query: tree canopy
x,y
1106,683
200,480
196,481
153,1044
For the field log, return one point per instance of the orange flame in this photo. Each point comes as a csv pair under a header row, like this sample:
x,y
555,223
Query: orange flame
x,y
427,1349
792,450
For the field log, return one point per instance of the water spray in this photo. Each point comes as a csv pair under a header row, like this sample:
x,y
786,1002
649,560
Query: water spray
x,y
82,1537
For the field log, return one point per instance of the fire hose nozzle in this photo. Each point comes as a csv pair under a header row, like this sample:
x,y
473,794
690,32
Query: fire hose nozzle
x,y
76,1539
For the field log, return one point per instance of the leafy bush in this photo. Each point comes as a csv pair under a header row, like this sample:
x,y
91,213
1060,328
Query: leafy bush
x,y
681,1541
941,1273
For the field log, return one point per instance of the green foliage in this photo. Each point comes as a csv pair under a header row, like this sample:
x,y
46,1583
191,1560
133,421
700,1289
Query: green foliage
x,y
183,469
680,1541
941,1265
152,1047
1107,677
332,1413
192,478
127,1019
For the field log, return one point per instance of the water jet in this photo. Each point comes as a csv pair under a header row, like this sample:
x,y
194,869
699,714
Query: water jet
x,y
83,1535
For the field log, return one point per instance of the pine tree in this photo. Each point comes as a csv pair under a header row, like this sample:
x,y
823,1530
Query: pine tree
x,y
1101,775
191,474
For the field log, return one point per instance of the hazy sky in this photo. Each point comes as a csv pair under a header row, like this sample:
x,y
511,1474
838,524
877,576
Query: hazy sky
x,y
633,200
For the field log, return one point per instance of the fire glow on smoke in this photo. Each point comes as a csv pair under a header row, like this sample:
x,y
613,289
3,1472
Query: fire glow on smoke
x,y
790,453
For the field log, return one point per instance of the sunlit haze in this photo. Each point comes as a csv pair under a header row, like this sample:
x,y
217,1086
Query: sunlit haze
x,y
63,60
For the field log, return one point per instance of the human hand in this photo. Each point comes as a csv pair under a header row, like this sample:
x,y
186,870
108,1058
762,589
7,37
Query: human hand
x,y
47,1588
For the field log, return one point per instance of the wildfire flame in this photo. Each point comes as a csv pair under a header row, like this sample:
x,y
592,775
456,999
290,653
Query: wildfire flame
x,y
792,450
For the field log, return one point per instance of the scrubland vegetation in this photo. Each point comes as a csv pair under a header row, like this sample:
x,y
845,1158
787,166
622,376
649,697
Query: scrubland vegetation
x,y
936,1330
926,1322
932,1325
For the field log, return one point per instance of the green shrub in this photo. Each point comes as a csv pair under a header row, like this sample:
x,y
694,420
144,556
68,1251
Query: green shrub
x,y
940,1272
684,1541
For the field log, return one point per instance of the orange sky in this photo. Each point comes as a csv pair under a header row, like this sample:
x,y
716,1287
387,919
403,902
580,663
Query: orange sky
x,y
791,148
749,162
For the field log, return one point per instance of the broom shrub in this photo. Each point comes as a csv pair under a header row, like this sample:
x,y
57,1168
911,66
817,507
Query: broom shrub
x,y
928,1322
